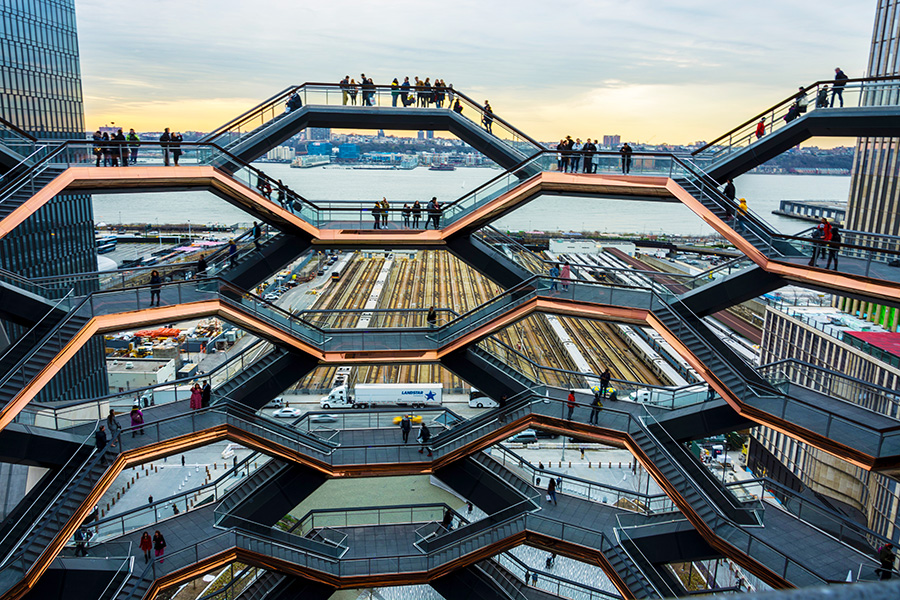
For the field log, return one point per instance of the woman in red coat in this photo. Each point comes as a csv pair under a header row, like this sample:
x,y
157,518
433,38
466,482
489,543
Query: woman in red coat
x,y
196,397
146,545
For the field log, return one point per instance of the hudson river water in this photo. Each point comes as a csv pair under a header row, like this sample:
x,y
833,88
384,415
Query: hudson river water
x,y
763,193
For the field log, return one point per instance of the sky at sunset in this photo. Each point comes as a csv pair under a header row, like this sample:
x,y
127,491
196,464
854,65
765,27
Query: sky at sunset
x,y
652,71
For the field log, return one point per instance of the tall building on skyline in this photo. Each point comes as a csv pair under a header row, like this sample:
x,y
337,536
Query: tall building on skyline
x,y
41,94
874,201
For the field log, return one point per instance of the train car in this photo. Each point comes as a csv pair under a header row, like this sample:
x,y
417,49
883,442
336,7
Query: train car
x,y
336,275
106,243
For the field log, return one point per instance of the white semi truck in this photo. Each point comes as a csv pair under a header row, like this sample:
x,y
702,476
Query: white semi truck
x,y
384,394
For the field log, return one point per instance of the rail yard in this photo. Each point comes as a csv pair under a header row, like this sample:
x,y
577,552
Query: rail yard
x,y
420,279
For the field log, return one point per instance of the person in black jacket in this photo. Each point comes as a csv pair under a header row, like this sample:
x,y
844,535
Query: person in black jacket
x,y
416,214
100,438
834,246
119,149
206,395
424,439
405,427
155,286
589,148
626,152
376,215
837,89
164,146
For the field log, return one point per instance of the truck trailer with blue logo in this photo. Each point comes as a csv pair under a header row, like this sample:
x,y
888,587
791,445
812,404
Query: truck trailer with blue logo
x,y
417,395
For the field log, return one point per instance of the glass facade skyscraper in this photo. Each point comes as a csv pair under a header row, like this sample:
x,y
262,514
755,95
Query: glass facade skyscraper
x,y
874,203
39,68
41,94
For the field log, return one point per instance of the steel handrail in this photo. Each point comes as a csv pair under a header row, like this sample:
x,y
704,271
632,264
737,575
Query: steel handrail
x,y
64,488
271,102
65,144
127,560
544,574
526,464
5,377
626,382
886,390
768,482
265,104
16,129
621,531
790,99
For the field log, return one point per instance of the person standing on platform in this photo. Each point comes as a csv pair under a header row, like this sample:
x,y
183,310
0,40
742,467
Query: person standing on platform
x,y
761,128
112,425
570,403
566,276
431,319
577,147
554,273
176,147
98,146
821,235
416,214
407,212
345,89
155,286
120,149
206,395
385,212
626,153
405,427
395,91
376,215
837,88
196,397
434,213
137,420
424,438
404,92
834,246
596,407
164,146
605,378
134,142
589,149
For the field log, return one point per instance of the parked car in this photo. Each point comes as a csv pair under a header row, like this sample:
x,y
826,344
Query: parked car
x,y
271,296
287,413
525,437
275,403
546,435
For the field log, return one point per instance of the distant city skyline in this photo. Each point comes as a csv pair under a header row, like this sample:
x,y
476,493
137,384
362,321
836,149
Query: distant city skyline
x,y
651,72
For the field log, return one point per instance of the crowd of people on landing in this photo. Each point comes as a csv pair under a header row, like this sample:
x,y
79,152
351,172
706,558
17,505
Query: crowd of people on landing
x,y
422,94
574,155
121,149
411,215
419,93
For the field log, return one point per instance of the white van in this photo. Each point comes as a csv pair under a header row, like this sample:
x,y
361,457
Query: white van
x,y
479,399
